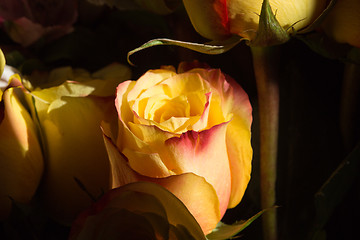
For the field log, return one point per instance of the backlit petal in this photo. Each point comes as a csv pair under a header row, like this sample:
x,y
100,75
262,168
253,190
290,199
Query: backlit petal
x,y
21,160
209,18
238,139
75,149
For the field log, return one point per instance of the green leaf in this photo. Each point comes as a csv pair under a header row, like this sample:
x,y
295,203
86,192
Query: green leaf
x,y
323,45
213,47
14,58
334,189
225,231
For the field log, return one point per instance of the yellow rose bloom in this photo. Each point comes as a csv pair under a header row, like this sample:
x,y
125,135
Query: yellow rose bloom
x,y
68,110
194,121
219,19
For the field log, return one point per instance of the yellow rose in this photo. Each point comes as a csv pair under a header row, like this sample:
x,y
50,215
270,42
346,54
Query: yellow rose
x,y
139,210
21,160
69,115
196,121
343,22
219,19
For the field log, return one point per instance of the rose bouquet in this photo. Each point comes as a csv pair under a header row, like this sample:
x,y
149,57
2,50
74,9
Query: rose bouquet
x,y
246,110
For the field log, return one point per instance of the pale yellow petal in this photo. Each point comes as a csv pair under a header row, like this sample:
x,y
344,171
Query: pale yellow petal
x,y
149,79
343,22
2,62
75,149
21,160
148,164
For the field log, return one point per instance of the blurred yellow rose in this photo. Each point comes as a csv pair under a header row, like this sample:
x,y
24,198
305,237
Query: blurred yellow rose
x,y
68,108
21,159
139,210
194,121
343,22
219,19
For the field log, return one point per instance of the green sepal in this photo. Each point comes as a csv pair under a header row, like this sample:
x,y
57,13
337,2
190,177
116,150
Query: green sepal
x,y
270,31
212,48
225,231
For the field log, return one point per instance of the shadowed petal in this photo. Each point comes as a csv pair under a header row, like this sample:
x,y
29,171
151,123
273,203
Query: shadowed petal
x,y
197,194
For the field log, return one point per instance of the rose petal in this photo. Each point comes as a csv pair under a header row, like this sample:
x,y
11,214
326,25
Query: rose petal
x,y
148,80
21,160
194,150
238,140
146,162
210,19
124,111
189,188
244,15
343,22
220,83
2,64
235,103
121,173
145,199
75,149
25,32
197,195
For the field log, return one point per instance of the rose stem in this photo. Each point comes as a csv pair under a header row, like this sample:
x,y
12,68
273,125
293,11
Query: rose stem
x,y
350,104
265,67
